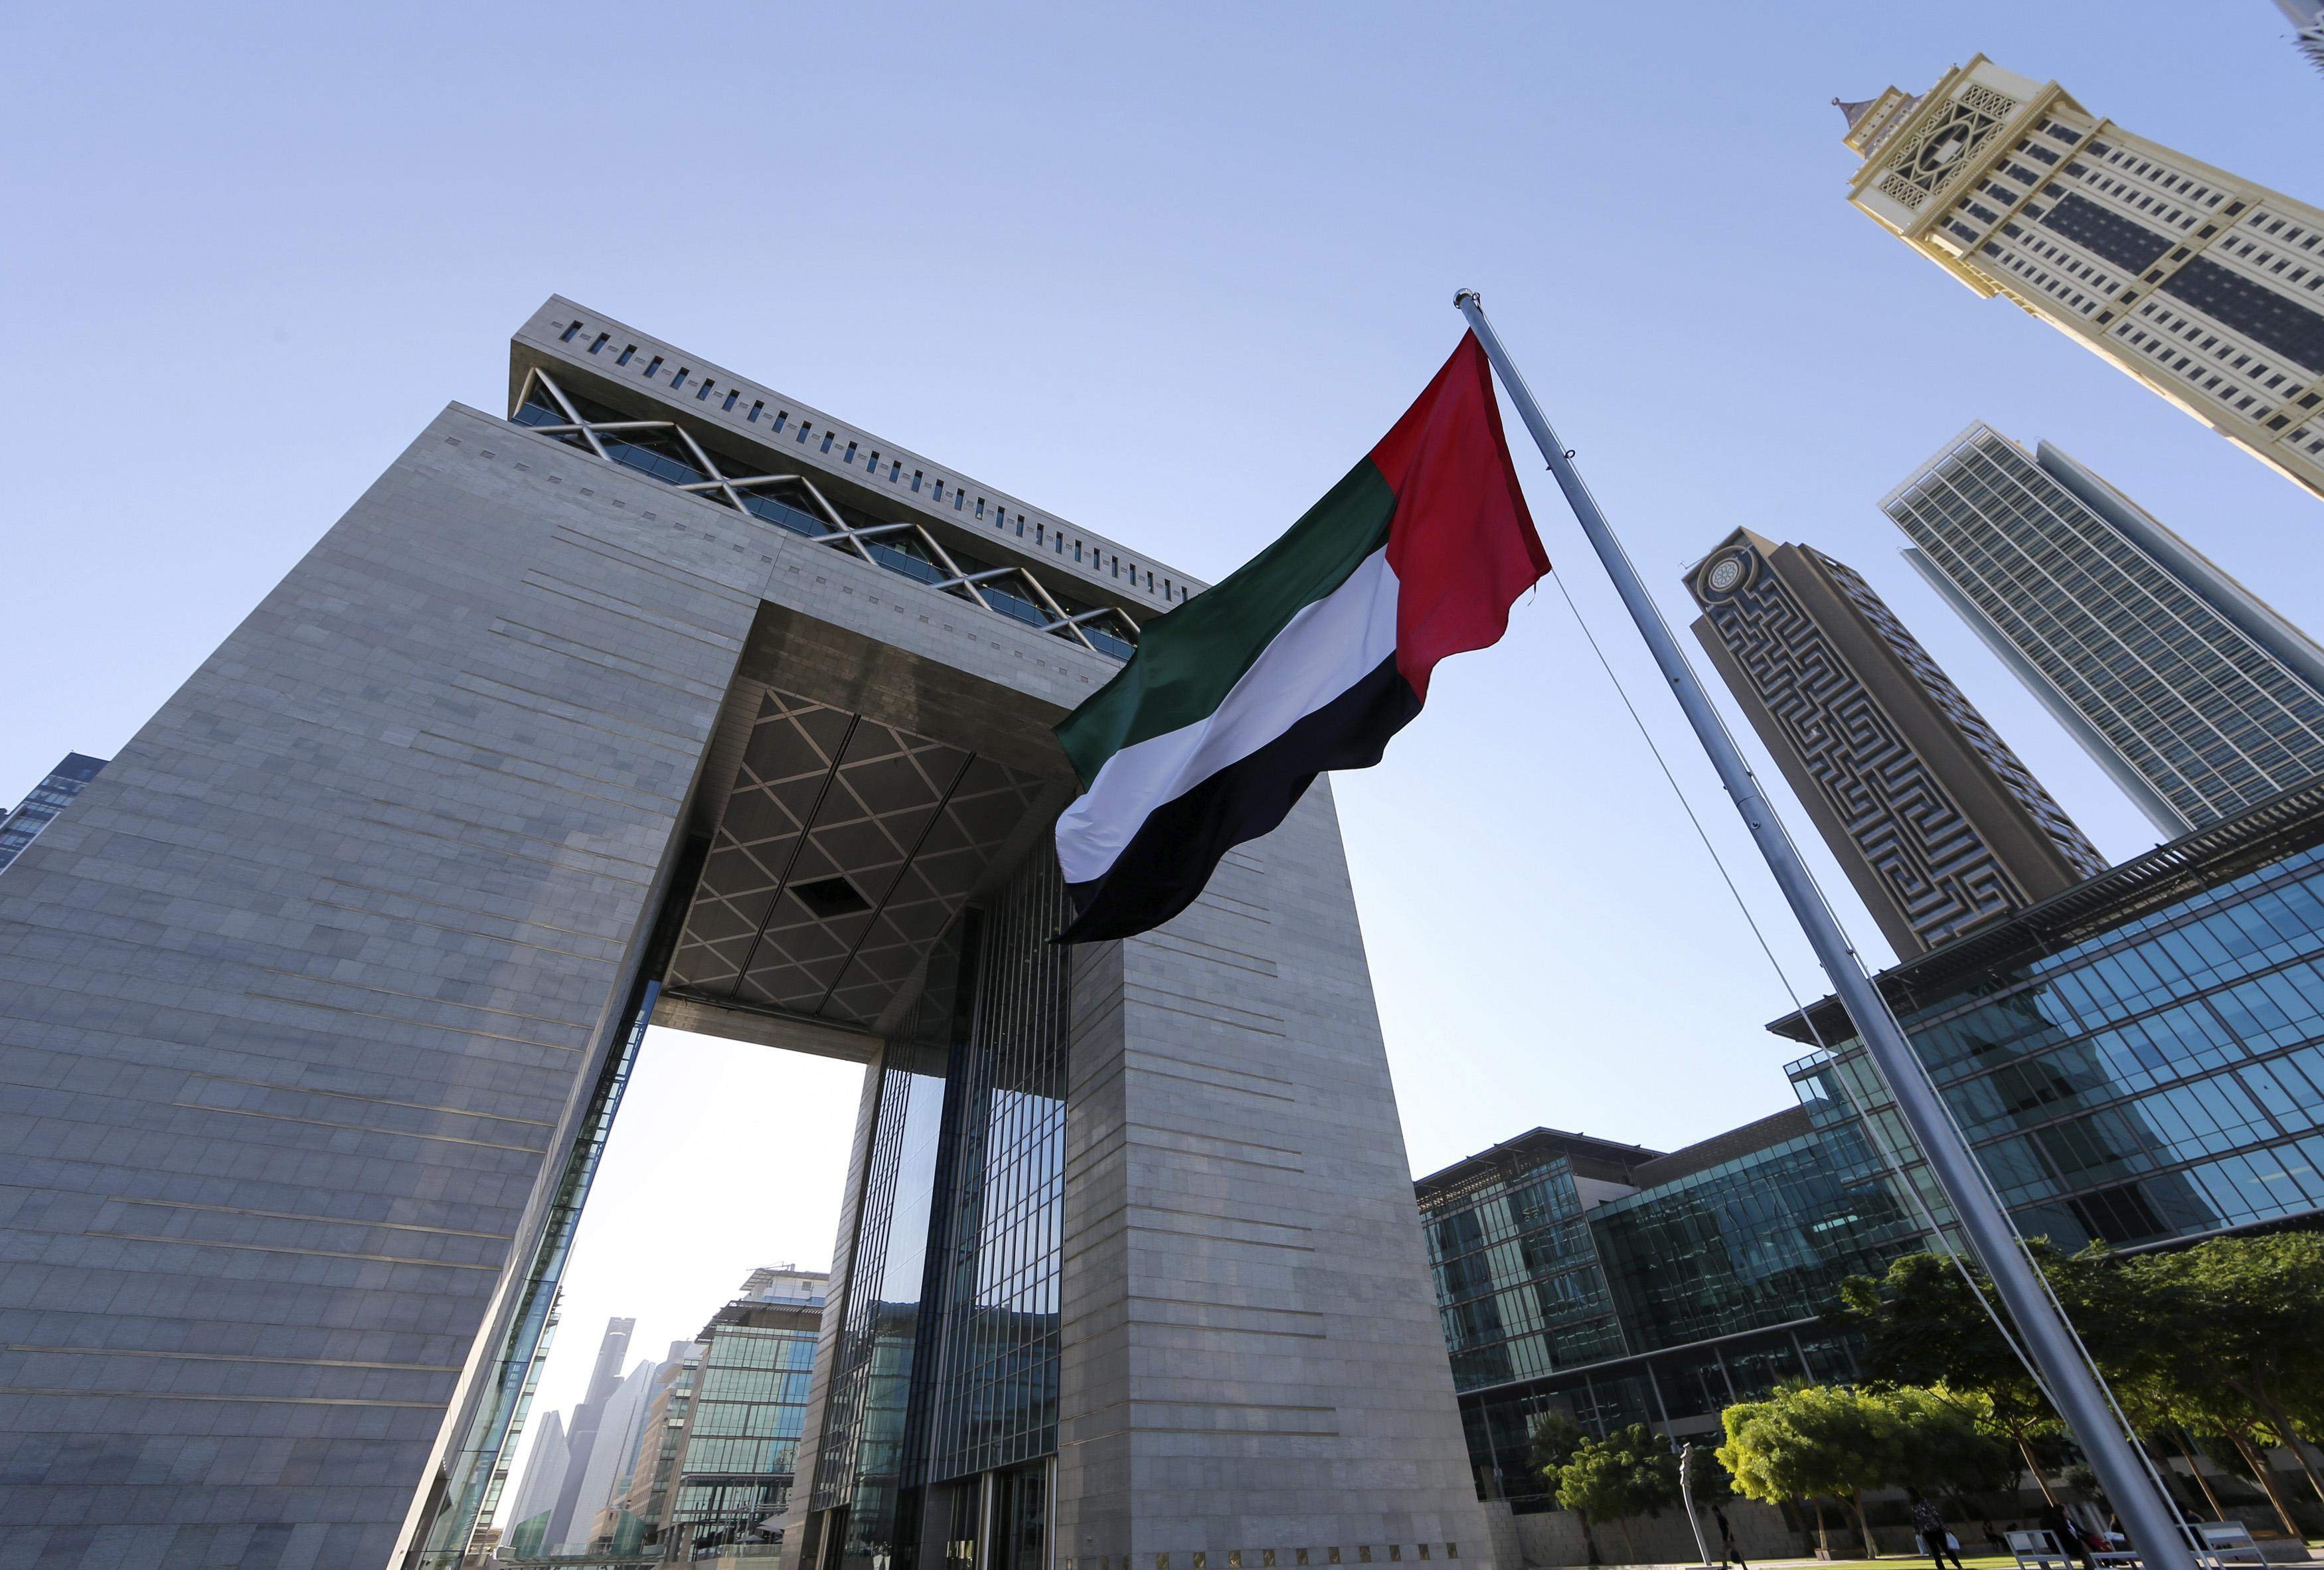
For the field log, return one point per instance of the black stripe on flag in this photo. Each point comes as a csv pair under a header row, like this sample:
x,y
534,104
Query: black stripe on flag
x,y
1164,867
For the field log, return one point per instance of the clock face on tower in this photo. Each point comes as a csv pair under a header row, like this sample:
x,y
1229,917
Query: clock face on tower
x,y
1933,159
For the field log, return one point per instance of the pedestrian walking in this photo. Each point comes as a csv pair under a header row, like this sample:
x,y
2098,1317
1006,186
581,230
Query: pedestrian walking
x,y
2069,1536
1931,1525
1728,1553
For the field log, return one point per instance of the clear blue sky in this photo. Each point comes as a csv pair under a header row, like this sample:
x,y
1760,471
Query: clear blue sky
x,y
1168,271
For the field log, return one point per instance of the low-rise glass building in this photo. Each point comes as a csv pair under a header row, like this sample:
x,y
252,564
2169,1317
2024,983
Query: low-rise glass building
x,y
2138,1061
1619,1284
743,1409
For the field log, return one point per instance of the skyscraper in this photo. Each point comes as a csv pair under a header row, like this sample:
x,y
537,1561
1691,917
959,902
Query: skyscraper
x,y
574,1513
1937,825
2207,287
43,802
2196,697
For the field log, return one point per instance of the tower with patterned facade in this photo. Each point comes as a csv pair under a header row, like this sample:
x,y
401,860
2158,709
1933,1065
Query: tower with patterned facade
x,y
2204,286
1937,825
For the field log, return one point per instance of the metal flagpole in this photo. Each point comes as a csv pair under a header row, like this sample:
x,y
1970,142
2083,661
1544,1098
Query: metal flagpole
x,y
2073,1386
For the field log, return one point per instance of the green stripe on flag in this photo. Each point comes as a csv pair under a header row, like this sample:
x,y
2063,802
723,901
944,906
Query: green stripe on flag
x,y
1188,660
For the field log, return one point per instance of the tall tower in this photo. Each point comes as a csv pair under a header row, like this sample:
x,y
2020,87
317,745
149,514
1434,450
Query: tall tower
x,y
2207,288
2196,697
1937,825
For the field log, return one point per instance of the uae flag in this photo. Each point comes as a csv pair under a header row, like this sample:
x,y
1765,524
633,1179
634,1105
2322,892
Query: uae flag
x,y
1308,658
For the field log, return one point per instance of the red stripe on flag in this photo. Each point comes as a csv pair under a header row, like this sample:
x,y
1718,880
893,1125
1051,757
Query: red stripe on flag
x,y
1462,541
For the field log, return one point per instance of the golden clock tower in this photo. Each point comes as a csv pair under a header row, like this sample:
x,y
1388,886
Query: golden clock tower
x,y
2207,288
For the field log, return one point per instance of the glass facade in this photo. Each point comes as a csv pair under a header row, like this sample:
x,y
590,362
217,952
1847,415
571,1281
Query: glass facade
x,y
1762,1239
746,1408
1620,1285
43,802
945,1367
2163,668
2157,1078
1518,1285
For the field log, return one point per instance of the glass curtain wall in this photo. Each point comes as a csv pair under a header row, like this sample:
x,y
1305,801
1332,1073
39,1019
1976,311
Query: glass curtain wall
x,y
2161,1079
998,1401
1518,1284
946,1363
749,1400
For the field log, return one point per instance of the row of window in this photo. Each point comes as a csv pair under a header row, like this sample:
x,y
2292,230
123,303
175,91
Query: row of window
x,y
668,455
1044,536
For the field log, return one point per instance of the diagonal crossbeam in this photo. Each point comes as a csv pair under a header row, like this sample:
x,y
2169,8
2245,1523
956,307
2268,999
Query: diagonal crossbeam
x,y
729,489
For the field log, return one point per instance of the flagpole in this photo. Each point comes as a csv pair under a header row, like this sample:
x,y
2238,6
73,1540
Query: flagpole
x,y
2049,1340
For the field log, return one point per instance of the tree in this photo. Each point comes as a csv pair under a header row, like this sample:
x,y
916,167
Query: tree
x,y
1923,1326
1552,1439
1631,1472
2239,1337
1812,1443
1942,1442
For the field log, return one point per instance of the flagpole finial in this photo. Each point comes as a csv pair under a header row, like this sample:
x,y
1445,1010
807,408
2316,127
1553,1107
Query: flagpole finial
x,y
1465,296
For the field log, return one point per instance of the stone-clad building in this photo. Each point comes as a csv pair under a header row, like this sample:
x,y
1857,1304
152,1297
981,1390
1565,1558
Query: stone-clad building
x,y
673,698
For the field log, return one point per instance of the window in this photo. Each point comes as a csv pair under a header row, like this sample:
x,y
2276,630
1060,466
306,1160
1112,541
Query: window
x,y
679,380
757,408
624,357
600,343
916,480
827,436
729,404
566,336
652,366
849,455
703,395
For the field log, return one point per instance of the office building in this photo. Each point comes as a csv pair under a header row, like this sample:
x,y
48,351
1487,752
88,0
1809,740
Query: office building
x,y
647,1496
1618,1284
534,1505
672,697
2207,288
43,802
2138,1061
1937,824
586,1477
737,1451
2188,690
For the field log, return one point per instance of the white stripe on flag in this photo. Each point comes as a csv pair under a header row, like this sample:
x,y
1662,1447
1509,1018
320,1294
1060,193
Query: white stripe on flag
x,y
1322,652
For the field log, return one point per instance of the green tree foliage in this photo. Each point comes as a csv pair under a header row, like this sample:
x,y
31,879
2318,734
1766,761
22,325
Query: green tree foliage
x,y
1946,1443
2233,1345
2225,1339
1813,1443
1554,1437
1631,1472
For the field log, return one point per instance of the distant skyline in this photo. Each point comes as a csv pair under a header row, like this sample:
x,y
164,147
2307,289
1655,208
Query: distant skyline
x,y
1170,275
